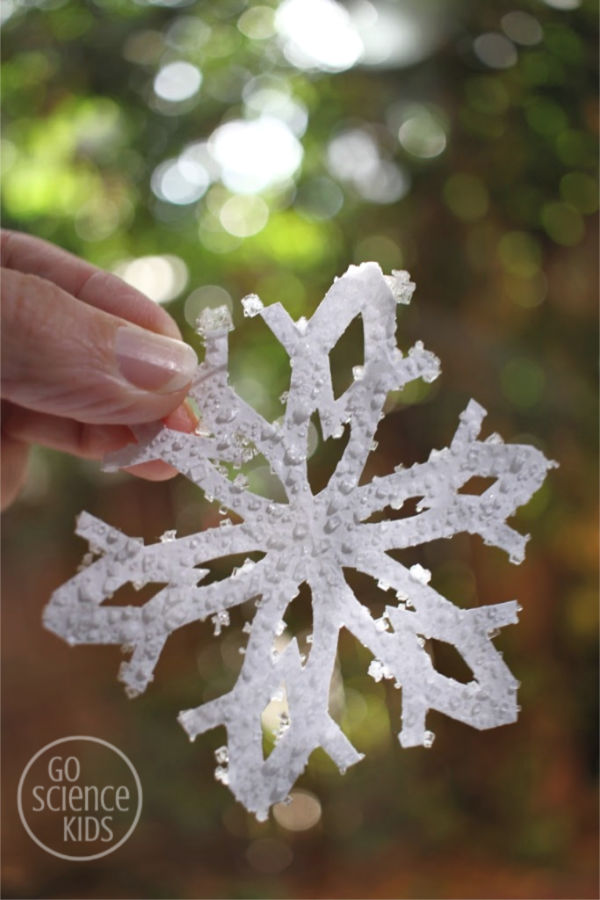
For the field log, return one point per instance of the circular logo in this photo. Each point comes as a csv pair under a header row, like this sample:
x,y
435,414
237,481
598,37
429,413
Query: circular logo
x,y
79,798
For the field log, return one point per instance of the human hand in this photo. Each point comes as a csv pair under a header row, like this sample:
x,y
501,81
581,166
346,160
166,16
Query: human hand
x,y
84,355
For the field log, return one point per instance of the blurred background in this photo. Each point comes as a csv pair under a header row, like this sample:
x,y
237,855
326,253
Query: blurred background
x,y
204,150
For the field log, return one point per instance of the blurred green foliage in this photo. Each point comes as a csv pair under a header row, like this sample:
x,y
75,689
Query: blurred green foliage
x,y
468,156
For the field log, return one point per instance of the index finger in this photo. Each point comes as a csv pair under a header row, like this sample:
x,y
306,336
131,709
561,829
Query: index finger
x,y
34,256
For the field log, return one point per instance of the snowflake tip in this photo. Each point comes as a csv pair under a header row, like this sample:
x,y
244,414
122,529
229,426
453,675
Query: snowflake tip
x,y
400,285
420,573
302,324
214,321
252,305
428,739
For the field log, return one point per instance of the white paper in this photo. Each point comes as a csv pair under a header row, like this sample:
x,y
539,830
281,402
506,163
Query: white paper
x,y
311,539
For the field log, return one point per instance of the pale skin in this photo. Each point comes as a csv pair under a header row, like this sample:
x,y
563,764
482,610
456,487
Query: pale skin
x,y
84,356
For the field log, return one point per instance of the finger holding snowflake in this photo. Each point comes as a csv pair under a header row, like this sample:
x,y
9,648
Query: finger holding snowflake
x,y
84,357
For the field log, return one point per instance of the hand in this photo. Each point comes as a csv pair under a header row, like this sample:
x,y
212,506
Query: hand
x,y
84,356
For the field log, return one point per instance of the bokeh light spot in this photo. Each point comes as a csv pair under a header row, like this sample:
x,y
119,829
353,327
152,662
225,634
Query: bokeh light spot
x,y
563,4
422,132
180,181
380,248
522,382
395,34
257,23
466,196
265,97
354,157
198,152
522,28
177,81
576,148
144,47
255,154
302,813
563,223
188,34
162,278
580,190
215,240
352,154
564,43
215,199
387,184
527,292
495,50
318,34
8,8
244,216
520,253
545,116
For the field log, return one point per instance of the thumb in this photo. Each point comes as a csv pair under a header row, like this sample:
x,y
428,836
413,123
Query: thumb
x,y
66,358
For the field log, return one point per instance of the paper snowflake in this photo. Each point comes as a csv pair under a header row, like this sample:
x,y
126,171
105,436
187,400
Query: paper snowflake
x,y
310,539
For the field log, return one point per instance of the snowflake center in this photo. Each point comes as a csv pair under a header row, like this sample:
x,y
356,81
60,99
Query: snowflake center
x,y
310,529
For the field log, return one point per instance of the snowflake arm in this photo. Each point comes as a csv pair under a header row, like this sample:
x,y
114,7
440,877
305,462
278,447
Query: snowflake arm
x,y
310,539
76,613
519,471
259,782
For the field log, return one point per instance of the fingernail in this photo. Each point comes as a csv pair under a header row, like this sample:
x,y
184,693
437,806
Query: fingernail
x,y
153,362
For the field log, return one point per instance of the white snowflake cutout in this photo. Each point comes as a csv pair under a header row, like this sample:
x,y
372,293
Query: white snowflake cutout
x,y
310,539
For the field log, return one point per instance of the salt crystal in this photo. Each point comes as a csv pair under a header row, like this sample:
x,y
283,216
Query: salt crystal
x,y
213,320
420,574
252,305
